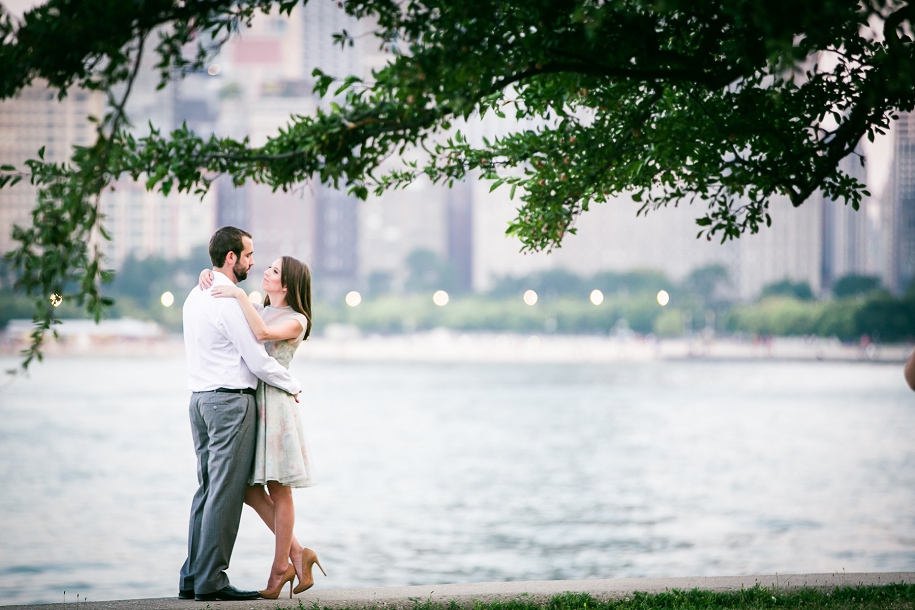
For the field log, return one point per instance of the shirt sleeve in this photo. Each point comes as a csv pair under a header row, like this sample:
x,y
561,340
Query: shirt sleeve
x,y
304,322
252,351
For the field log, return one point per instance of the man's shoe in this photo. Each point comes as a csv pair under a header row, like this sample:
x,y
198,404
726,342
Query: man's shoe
x,y
185,594
227,594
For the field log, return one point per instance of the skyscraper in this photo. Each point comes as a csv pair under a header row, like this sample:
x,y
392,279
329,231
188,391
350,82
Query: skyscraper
x,y
336,219
847,234
899,220
260,83
147,223
459,209
34,119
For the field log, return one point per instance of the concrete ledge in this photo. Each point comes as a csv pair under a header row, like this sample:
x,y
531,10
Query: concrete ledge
x,y
536,591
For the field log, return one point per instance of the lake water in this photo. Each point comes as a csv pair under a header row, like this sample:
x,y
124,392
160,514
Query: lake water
x,y
437,473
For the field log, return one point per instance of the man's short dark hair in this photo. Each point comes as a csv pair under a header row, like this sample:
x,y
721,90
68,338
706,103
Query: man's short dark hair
x,y
225,240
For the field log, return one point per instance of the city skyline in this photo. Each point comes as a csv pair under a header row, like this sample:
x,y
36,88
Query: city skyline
x,y
264,75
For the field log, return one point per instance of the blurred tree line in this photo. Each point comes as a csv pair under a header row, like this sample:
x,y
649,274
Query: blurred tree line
x,y
859,307
137,288
629,300
705,299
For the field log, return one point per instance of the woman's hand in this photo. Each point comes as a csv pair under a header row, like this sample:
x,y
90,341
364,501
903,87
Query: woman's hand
x,y
225,291
206,279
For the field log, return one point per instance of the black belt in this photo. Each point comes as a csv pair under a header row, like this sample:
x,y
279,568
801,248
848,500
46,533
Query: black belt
x,y
249,391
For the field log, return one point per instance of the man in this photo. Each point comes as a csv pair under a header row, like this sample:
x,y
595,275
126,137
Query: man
x,y
224,361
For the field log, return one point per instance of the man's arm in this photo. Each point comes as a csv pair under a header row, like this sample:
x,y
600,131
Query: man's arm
x,y
909,370
253,352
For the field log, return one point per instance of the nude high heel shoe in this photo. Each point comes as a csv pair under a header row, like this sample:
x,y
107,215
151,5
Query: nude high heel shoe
x,y
309,559
287,577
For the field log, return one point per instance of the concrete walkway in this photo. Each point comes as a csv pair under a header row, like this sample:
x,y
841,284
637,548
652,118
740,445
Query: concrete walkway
x,y
391,598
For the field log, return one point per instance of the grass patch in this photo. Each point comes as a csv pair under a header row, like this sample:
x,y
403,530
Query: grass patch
x,y
887,597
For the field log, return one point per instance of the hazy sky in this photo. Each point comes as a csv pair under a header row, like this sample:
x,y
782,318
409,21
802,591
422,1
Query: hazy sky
x,y
17,7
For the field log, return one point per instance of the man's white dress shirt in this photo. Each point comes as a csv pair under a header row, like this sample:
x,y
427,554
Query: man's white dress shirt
x,y
222,351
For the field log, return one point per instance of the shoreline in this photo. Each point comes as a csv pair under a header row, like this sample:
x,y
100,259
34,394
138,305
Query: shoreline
x,y
538,592
446,346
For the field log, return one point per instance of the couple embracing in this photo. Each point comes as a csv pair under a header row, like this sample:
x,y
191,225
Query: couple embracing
x,y
244,417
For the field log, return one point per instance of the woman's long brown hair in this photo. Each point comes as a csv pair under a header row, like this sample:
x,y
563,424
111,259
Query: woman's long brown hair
x,y
296,279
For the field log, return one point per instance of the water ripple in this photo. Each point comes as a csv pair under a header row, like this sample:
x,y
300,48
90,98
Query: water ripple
x,y
461,473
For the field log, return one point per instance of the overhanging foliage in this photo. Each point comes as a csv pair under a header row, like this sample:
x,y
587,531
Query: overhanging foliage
x,y
724,103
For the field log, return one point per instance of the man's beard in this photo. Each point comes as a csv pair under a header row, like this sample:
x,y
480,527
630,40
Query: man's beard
x,y
240,271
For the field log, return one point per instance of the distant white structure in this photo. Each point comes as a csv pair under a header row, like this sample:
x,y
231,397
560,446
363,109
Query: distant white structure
x,y
87,331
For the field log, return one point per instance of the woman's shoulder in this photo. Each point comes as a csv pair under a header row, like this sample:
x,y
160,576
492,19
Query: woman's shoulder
x,y
299,316
275,315
303,320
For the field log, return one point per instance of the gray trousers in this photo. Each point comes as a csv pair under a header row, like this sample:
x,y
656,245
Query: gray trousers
x,y
223,427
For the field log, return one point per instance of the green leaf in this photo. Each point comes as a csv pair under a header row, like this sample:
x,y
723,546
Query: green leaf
x,y
347,83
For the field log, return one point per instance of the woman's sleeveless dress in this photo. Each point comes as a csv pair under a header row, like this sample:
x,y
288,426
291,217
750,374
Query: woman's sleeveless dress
x,y
281,453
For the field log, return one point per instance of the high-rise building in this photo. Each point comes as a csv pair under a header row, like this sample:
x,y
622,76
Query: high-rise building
x,y
36,119
141,223
459,210
399,223
610,237
260,83
358,239
265,77
336,230
147,223
144,223
899,217
791,249
848,235
320,21
338,263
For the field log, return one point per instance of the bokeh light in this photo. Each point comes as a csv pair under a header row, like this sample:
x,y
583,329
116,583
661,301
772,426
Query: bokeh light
x,y
56,300
213,70
353,298
663,298
597,297
167,299
255,297
440,298
530,297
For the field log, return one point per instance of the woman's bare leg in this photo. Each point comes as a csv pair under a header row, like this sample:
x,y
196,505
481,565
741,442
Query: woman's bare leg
x,y
284,522
257,498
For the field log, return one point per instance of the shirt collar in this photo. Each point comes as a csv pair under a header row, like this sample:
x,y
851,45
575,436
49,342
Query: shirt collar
x,y
220,278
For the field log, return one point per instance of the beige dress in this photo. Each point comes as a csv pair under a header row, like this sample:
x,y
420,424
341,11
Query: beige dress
x,y
281,453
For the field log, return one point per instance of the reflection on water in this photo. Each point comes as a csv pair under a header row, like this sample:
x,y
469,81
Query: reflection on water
x,y
460,473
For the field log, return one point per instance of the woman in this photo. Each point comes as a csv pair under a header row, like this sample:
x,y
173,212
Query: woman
x,y
281,460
